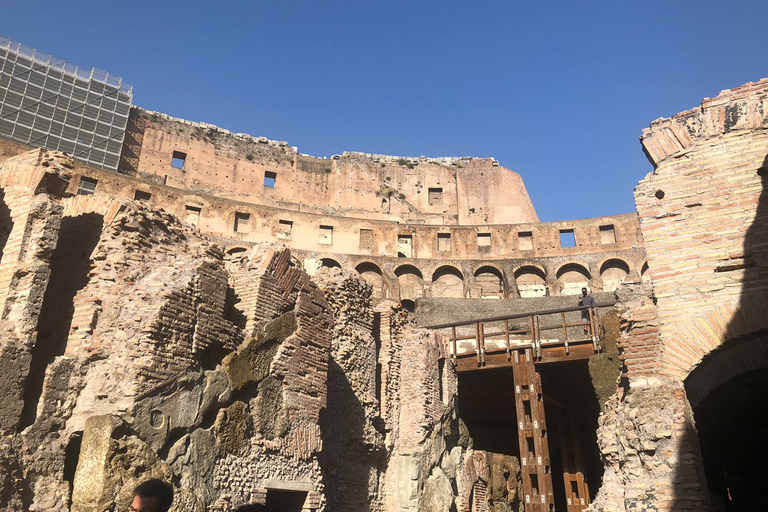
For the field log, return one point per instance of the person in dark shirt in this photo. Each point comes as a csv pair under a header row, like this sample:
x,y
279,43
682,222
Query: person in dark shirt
x,y
586,300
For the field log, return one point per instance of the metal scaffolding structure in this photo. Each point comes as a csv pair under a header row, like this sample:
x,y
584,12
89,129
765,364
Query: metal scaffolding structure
x,y
46,102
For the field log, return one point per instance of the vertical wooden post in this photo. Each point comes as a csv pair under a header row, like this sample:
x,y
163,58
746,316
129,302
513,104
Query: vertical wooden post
x,y
506,338
477,343
481,330
532,434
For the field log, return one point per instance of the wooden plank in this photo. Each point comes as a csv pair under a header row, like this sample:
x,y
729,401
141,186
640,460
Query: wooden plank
x,y
497,358
481,337
477,343
506,339
531,425
521,435
540,433
518,315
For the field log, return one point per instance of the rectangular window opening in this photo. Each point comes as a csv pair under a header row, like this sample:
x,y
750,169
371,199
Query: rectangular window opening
x,y
87,186
193,214
284,228
140,195
326,235
567,239
607,234
366,239
443,242
269,179
525,240
404,246
242,222
483,239
177,159
435,196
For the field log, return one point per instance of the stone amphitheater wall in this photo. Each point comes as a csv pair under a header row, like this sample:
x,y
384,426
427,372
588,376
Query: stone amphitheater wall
x,y
205,159
466,267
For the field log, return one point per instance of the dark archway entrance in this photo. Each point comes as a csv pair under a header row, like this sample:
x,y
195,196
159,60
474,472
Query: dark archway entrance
x,y
729,396
732,422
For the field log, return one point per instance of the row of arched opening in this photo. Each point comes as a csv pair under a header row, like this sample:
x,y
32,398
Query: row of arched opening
x,y
489,281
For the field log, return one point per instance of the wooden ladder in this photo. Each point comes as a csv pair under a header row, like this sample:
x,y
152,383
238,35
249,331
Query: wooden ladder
x,y
576,488
532,434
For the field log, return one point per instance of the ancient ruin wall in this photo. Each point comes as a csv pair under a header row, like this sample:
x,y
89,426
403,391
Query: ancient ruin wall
x,y
447,261
700,214
227,377
471,191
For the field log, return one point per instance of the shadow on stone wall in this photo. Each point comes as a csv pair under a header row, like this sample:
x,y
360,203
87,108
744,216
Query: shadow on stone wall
x,y
6,223
346,460
728,391
70,266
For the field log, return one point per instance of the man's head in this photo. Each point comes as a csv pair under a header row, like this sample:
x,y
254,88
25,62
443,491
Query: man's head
x,y
154,495
584,292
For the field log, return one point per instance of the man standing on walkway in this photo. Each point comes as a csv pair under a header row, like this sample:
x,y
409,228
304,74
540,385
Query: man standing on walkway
x,y
586,300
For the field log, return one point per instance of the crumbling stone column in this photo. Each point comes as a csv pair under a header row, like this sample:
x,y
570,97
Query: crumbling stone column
x,y
32,185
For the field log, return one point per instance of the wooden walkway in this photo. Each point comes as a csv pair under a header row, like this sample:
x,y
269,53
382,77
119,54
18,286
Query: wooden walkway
x,y
521,342
552,335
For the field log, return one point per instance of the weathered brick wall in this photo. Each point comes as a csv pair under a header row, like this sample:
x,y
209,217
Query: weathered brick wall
x,y
292,391
217,215
639,345
701,214
649,445
419,390
353,448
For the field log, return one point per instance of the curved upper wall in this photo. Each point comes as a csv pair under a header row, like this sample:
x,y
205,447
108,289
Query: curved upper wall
x,y
702,213
338,234
733,110
212,161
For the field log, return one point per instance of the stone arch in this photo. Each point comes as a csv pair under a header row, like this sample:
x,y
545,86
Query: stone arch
x,y
613,272
728,393
692,342
572,277
448,281
235,249
531,281
491,282
203,207
727,361
410,280
329,263
371,274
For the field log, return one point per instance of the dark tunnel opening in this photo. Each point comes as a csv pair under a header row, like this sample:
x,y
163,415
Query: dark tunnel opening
x,y
487,408
732,422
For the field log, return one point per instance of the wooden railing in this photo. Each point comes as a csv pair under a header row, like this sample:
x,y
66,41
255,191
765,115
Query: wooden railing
x,y
528,330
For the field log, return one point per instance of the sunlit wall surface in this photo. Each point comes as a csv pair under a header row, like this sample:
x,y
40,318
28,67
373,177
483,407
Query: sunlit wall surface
x,y
46,102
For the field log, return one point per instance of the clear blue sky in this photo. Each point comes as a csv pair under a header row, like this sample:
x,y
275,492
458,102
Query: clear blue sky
x,y
557,91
